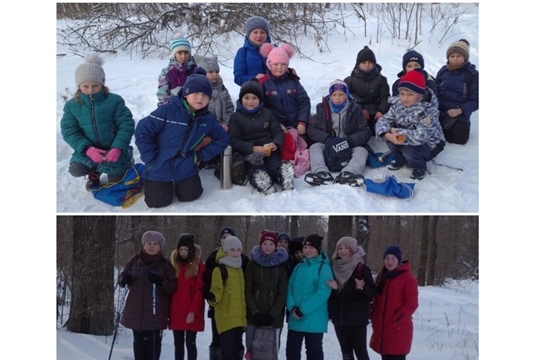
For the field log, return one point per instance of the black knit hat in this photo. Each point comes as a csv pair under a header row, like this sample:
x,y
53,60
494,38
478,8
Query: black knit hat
x,y
314,240
366,54
187,240
296,244
251,87
393,250
226,230
284,236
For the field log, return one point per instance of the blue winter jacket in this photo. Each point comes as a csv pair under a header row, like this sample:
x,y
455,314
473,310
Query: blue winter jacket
x,y
168,136
248,62
458,89
307,289
287,99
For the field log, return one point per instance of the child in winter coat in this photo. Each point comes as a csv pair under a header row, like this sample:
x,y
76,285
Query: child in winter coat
x,y
307,301
229,299
338,126
266,287
98,126
411,128
255,131
170,141
151,282
371,87
284,94
458,92
187,303
414,60
394,304
248,62
174,76
350,301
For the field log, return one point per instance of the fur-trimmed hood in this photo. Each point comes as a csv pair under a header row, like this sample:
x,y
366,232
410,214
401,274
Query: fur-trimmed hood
x,y
278,257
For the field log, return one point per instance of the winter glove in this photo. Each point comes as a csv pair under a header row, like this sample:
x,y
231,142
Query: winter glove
x,y
258,318
113,155
155,278
209,296
296,310
126,279
267,319
255,159
97,155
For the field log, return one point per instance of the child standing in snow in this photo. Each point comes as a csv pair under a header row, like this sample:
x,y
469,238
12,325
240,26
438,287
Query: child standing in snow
x,y
229,299
174,138
414,60
255,131
187,302
151,282
411,128
174,76
98,126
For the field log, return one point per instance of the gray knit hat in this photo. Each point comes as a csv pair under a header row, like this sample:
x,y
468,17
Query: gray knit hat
x,y
461,47
257,22
153,236
207,63
91,70
230,243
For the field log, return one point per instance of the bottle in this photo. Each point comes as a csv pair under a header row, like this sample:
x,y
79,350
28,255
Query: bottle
x,y
226,168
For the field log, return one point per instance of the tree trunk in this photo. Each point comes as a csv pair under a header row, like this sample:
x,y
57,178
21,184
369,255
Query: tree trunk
x,y
422,266
338,226
433,252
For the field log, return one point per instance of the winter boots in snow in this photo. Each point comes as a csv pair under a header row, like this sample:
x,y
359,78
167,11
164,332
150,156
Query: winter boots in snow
x,y
215,353
319,178
92,180
348,178
262,182
418,174
286,175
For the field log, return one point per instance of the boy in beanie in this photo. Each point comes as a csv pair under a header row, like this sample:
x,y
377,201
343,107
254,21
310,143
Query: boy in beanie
x,y
414,60
283,241
98,126
171,156
174,75
339,133
411,128
458,92
370,86
255,133
248,62
285,96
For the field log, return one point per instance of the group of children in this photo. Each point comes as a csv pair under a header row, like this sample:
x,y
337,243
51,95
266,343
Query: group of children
x,y
196,120
282,281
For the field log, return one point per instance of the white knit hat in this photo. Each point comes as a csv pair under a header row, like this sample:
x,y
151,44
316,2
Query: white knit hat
x,y
91,70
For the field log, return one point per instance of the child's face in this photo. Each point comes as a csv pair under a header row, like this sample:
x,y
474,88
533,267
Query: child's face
x,y
258,36
310,252
234,253
283,244
182,56
90,87
299,255
250,101
366,65
411,65
338,97
151,247
213,76
278,69
408,98
183,251
456,59
344,251
197,100
268,247
390,262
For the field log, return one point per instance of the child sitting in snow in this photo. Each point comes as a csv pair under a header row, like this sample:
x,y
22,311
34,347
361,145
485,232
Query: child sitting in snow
x,y
411,128
98,126
174,76
255,131
414,60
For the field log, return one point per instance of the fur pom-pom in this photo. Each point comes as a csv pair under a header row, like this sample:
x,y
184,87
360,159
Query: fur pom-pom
x,y
288,49
93,59
199,70
266,48
178,35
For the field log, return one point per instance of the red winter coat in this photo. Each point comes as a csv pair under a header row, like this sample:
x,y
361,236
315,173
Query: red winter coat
x,y
392,311
188,297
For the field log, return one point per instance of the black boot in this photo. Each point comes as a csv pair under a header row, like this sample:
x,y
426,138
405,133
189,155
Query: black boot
x,y
348,356
93,180
215,353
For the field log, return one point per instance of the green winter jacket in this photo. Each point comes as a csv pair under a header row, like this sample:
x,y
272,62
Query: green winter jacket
x,y
230,301
99,120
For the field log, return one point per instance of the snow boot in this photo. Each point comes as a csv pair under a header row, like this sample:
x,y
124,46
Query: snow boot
x,y
286,175
262,182
348,178
92,180
418,174
215,353
394,165
320,178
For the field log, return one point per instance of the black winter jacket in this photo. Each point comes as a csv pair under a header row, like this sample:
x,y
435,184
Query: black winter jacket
x,y
372,89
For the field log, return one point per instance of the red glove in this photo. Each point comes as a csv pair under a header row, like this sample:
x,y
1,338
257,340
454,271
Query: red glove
x,y
113,155
97,155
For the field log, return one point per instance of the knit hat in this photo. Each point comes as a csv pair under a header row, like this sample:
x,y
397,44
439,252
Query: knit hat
x,y
352,243
284,236
252,87
257,22
197,83
314,240
296,244
366,54
269,235
393,250
227,230
461,47
90,70
413,56
180,43
338,85
153,236
207,63
186,240
413,81
274,54
231,242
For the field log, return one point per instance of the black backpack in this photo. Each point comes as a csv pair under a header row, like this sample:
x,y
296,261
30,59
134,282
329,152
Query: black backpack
x,y
337,154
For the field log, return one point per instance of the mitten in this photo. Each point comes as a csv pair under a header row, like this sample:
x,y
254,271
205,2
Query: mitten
x,y
209,296
267,319
97,155
113,155
258,318
255,159
126,279
155,278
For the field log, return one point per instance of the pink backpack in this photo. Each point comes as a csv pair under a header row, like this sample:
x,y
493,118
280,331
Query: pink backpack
x,y
301,153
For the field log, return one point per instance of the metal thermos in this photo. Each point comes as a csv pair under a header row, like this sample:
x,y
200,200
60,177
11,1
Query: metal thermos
x,y
226,168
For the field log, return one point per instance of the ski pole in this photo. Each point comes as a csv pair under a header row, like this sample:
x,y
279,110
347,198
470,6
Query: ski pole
x,y
118,314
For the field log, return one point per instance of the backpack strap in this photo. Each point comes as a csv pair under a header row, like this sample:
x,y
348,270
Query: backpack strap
x,y
360,271
224,273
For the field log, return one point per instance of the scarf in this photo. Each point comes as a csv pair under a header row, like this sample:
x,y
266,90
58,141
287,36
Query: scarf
x,y
230,261
344,267
454,67
245,111
339,108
